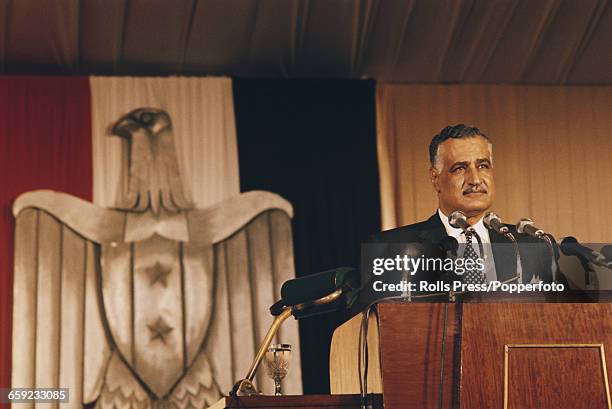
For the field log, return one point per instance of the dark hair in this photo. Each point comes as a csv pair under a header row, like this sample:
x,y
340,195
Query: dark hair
x,y
458,131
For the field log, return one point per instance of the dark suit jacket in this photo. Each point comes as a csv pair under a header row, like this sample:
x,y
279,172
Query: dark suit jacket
x,y
535,255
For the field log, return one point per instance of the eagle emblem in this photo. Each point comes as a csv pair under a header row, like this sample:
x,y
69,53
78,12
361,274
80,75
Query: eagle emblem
x,y
154,303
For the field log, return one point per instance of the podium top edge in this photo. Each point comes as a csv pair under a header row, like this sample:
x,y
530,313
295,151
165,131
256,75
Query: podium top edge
x,y
574,296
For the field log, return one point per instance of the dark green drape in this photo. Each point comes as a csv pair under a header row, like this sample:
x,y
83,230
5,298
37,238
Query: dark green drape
x,y
314,143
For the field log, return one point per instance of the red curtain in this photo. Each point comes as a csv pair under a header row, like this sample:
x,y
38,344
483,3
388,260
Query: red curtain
x,y
45,137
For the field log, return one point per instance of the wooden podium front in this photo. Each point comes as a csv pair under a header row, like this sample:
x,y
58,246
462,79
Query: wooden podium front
x,y
526,354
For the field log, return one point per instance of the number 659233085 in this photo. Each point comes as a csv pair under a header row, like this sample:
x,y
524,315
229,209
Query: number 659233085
x,y
38,395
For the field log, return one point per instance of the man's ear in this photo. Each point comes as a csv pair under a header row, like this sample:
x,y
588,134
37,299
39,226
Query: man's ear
x,y
433,176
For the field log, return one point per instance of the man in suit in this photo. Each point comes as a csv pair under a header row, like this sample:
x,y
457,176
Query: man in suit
x,y
461,173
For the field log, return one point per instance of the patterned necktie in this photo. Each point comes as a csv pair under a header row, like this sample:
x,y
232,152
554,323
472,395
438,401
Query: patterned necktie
x,y
472,275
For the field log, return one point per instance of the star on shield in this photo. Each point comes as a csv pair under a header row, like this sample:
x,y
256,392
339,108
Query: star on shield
x,y
159,330
158,273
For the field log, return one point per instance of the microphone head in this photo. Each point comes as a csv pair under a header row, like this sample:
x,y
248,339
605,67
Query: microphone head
x,y
569,240
567,246
520,225
489,217
455,217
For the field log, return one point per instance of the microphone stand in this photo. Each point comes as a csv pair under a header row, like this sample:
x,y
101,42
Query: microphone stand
x,y
551,250
479,240
519,268
245,387
588,272
407,293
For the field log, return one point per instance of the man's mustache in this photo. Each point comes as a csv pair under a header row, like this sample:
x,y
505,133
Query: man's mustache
x,y
475,189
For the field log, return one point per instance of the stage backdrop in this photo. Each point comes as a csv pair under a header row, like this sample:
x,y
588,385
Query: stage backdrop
x,y
45,134
552,152
314,142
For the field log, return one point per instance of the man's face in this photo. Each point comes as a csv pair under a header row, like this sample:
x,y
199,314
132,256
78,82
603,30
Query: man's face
x,y
464,178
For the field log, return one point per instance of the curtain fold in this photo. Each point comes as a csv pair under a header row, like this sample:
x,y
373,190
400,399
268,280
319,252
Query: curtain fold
x,y
314,143
45,134
202,112
552,152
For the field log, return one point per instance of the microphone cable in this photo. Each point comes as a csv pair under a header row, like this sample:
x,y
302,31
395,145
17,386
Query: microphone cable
x,y
480,245
442,357
363,356
551,252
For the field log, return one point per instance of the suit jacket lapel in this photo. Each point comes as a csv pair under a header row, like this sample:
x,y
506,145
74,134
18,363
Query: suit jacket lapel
x,y
434,231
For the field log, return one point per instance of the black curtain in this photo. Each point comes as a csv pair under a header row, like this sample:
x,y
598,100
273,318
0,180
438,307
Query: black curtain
x,y
314,143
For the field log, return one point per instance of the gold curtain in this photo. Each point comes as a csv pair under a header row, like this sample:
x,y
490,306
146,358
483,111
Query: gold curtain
x,y
552,152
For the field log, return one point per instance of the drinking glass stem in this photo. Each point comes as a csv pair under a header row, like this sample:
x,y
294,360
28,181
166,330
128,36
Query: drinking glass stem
x,y
277,386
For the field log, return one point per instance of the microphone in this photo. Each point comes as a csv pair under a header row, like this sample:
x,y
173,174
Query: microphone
x,y
458,220
571,247
302,290
493,222
526,226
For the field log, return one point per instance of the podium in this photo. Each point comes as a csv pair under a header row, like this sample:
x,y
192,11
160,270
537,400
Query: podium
x,y
511,352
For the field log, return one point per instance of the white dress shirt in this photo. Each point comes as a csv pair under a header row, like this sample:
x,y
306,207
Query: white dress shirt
x,y
483,232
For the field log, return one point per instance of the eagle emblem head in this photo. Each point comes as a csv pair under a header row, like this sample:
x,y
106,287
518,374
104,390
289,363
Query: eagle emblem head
x,y
154,119
154,181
